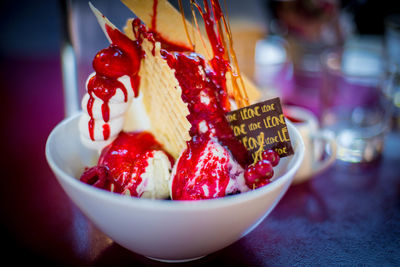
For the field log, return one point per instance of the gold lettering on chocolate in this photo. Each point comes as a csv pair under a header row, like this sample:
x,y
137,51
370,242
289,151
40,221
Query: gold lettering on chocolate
x,y
283,135
231,117
261,126
267,108
254,126
281,151
250,142
271,140
273,121
238,130
248,113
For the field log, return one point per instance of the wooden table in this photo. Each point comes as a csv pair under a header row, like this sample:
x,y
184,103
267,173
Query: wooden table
x,y
348,215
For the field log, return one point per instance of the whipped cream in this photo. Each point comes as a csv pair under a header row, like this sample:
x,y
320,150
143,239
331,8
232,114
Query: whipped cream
x,y
117,110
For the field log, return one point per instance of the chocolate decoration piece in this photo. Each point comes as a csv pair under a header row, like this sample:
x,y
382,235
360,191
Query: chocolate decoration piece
x,y
260,127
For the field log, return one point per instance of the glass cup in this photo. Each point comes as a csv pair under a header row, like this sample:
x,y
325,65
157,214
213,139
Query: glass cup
x,y
354,107
392,38
273,69
304,81
391,90
392,82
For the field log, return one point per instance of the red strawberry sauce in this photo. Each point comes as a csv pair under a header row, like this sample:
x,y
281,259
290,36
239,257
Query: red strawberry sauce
x,y
213,169
122,163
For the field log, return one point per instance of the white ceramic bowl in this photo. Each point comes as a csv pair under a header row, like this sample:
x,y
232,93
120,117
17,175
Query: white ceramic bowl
x,y
163,229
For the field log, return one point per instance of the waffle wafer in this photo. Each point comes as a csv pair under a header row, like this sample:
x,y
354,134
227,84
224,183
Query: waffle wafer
x,y
162,98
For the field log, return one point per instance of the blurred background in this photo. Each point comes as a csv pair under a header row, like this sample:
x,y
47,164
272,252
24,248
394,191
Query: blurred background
x,y
296,32
299,50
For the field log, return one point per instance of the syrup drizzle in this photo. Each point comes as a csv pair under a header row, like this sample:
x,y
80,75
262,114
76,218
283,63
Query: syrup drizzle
x,y
104,88
240,93
218,42
127,158
218,62
154,16
184,24
121,58
156,36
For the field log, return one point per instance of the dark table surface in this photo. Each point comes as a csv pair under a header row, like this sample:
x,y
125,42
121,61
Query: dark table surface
x,y
348,215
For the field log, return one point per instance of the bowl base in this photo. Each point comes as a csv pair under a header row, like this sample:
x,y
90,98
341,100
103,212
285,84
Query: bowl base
x,y
176,261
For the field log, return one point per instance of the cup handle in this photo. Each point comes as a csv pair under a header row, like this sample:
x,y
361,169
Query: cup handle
x,y
329,138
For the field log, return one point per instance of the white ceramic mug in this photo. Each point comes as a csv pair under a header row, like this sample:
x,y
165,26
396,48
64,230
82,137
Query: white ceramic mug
x,y
316,141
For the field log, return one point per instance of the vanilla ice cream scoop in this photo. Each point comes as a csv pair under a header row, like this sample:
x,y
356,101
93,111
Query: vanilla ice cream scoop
x,y
133,164
155,179
206,170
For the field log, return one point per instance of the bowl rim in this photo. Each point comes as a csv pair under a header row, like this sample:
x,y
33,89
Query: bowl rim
x,y
154,204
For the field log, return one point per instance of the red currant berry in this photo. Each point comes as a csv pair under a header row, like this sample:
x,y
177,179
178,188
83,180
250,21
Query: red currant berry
x,y
263,167
272,156
269,174
251,175
262,183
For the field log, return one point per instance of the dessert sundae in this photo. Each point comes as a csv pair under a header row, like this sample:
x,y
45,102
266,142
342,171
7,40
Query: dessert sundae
x,y
185,85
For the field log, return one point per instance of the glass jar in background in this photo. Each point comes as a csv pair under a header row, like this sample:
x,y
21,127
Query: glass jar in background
x,y
273,69
246,32
310,28
391,89
307,76
392,82
354,107
392,39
